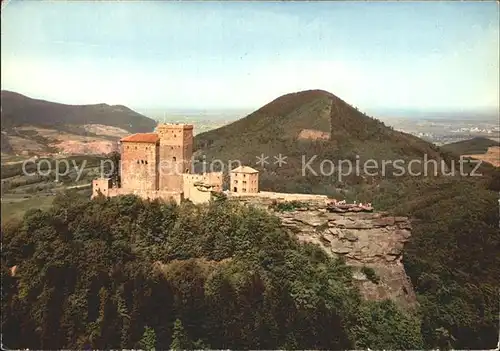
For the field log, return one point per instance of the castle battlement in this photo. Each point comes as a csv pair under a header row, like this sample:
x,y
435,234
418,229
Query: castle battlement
x,y
175,125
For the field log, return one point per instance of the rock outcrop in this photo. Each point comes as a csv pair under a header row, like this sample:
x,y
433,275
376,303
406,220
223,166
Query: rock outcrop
x,y
372,240
365,239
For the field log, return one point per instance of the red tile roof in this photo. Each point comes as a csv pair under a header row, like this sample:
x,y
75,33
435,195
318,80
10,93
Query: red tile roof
x,y
142,138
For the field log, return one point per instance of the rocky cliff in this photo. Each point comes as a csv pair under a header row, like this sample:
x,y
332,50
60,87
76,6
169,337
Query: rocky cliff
x,y
371,242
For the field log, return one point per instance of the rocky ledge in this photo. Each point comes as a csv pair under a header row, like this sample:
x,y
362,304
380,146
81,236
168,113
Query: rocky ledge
x,y
373,240
370,241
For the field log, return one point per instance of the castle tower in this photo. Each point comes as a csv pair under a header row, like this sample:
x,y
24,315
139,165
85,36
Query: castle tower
x,y
175,153
139,157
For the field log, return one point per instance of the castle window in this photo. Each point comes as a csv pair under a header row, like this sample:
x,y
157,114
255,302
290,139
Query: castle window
x,y
136,147
171,148
142,161
146,162
137,161
174,159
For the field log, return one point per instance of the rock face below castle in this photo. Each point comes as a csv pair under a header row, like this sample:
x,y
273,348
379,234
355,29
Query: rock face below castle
x,y
364,239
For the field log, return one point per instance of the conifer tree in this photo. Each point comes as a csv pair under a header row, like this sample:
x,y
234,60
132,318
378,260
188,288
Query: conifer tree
x,y
148,340
180,341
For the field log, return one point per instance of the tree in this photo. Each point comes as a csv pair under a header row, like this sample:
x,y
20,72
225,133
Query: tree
x,y
180,341
148,340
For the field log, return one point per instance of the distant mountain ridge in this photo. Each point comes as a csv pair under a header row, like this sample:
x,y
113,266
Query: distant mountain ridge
x,y
39,127
19,110
478,145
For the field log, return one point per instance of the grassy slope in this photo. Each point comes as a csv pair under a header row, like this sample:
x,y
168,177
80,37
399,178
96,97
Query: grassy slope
x,y
21,193
16,209
472,146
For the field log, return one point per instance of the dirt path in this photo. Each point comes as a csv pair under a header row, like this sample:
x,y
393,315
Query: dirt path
x,y
79,186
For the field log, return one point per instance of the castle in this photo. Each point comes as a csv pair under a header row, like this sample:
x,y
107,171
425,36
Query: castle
x,y
159,165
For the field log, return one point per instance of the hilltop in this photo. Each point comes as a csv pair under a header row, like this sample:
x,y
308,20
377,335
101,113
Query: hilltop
x,y
308,123
38,126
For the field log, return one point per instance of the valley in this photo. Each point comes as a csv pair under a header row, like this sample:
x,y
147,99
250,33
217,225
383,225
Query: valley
x,y
36,188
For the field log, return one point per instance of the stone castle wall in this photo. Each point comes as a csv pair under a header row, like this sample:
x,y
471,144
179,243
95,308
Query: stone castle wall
x,y
269,195
200,194
191,192
148,194
138,166
175,154
101,185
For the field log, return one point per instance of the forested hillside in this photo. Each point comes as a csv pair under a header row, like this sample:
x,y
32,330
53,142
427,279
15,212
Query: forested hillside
x,y
126,273
275,129
453,258
20,110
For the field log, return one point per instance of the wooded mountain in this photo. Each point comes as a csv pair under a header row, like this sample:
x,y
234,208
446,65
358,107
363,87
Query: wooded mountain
x,y
304,124
19,110
284,120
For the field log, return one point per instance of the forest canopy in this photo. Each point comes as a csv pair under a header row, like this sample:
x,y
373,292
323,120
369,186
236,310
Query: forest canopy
x,y
129,273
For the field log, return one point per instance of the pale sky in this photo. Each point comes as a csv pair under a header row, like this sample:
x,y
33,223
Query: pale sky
x,y
146,54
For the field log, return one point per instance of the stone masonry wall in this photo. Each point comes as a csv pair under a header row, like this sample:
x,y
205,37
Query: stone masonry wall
x,y
101,185
176,152
138,166
148,194
266,197
244,183
192,191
